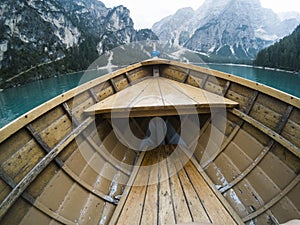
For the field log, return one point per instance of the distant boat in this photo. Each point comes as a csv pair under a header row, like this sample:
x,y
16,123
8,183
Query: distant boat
x,y
157,142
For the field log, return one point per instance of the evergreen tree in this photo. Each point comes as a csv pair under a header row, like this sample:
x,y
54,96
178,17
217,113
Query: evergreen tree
x,y
284,54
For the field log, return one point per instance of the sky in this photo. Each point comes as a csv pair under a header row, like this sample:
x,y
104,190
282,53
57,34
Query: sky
x,y
146,13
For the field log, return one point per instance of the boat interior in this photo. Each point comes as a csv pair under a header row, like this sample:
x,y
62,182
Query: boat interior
x,y
158,142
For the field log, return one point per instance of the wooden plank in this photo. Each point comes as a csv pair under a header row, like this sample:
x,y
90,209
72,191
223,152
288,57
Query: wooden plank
x,y
195,204
157,94
284,119
44,145
150,96
128,78
11,128
276,199
244,173
210,184
272,134
35,113
150,212
26,181
127,190
215,209
112,83
133,208
292,100
174,94
166,210
181,209
118,100
94,96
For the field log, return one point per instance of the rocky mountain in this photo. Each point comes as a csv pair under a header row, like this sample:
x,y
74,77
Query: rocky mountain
x,y
44,38
284,54
225,29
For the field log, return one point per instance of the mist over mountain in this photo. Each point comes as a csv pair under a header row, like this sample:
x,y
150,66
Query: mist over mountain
x,y
284,54
39,39
226,29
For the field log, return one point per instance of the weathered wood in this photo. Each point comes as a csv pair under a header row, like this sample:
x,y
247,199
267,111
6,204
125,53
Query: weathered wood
x,y
223,147
150,211
186,76
160,94
292,100
166,210
33,201
128,78
249,168
276,199
181,210
197,210
88,187
284,119
216,192
25,119
94,96
228,83
215,209
204,81
112,83
272,134
118,211
41,142
26,181
282,122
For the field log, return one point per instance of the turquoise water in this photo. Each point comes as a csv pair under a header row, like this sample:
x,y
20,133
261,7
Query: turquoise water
x,y
16,101
281,80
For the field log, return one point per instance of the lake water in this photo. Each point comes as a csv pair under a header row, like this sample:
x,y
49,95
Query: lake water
x,y
16,101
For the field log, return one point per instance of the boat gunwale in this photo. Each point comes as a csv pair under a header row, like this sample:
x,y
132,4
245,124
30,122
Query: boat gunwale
x,y
38,111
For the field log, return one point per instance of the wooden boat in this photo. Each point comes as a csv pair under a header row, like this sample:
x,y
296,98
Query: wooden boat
x,y
210,148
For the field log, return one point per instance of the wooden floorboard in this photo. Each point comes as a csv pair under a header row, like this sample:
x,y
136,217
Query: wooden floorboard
x,y
177,197
150,212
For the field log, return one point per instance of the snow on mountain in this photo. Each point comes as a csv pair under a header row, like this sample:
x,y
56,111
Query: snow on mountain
x,y
235,29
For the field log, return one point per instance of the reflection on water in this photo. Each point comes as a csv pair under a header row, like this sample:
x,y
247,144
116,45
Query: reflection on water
x,y
19,100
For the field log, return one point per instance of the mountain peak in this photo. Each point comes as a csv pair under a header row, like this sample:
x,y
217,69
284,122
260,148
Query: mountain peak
x,y
231,28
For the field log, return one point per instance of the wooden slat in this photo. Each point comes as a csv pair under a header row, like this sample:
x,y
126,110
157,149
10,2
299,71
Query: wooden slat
x,y
112,83
215,209
248,169
194,202
276,199
214,190
127,190
166,210
94,96
26,181
272,134
34,202
284,119
150,212
223,147
160,95
132,210
43,144
292,100
180,203
128,78
25,119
